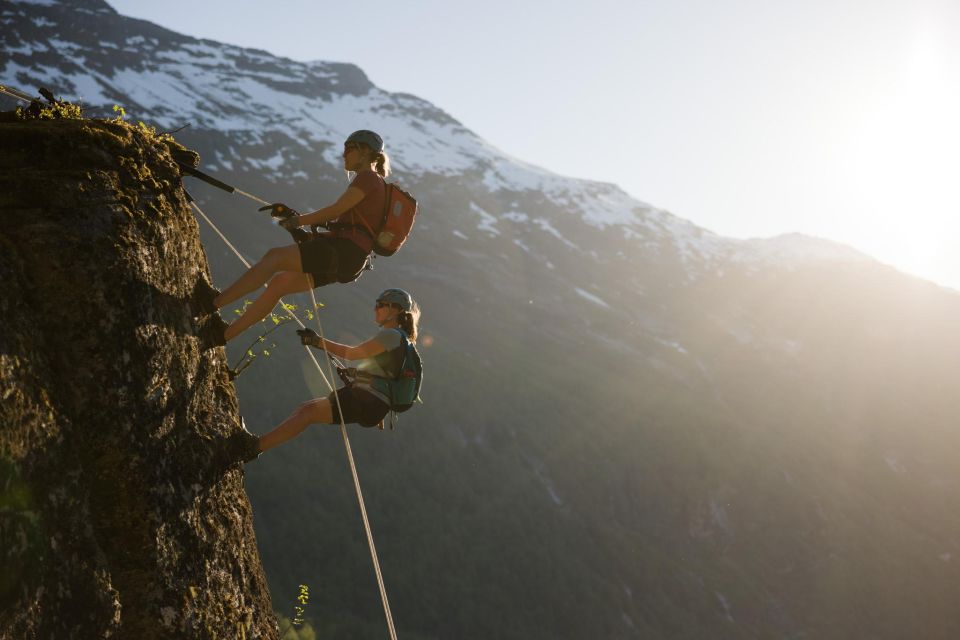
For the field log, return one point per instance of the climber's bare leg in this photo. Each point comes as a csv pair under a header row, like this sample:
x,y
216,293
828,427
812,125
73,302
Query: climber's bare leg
x,y
314,411
276,259
284,283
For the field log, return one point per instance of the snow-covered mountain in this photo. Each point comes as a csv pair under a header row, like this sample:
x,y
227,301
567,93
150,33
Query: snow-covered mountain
x,y
289,110
633,427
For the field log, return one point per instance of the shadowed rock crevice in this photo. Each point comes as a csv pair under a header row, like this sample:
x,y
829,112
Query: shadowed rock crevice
x,y
116,518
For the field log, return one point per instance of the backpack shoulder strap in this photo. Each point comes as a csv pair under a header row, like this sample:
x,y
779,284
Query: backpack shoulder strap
x,y
387,187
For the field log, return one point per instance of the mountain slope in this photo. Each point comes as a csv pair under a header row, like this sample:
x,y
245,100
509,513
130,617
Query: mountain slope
x,y
632,427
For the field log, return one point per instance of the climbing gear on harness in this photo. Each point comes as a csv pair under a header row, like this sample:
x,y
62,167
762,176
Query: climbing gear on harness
x,y
367,137
398,297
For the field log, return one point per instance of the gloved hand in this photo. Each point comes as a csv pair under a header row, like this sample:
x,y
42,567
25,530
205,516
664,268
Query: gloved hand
x,y
278,210
309,337
290,224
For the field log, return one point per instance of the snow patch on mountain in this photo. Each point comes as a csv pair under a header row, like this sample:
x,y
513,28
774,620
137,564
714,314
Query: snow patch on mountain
x,y
592,298
274,163
488,223
515,216
725,604
676,346
545,225
893,461
26,48
224,162
503,173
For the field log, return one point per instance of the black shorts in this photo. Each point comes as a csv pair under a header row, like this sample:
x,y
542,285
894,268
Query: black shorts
x,y
330,259
359,407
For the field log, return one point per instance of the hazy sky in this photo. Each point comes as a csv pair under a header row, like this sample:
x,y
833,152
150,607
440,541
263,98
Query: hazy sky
x,y
835,118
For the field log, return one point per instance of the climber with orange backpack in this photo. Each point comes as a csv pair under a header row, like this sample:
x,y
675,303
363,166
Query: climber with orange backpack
x,y
370,216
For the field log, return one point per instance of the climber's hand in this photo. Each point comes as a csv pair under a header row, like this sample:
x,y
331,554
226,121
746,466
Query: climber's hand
x,y
291,223
309,337
278,210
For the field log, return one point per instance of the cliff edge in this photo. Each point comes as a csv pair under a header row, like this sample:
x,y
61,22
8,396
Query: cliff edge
x,y
115,519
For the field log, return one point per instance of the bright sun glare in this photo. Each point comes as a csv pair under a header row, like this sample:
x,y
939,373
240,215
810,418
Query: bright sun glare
x,y
904,166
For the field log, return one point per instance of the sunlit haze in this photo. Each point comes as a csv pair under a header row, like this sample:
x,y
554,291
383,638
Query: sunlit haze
x,y
836,119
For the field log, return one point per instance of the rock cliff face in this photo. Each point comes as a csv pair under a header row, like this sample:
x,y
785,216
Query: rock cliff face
x,y
115,518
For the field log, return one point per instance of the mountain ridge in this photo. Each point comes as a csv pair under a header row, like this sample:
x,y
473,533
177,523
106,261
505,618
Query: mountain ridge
x,y
247,73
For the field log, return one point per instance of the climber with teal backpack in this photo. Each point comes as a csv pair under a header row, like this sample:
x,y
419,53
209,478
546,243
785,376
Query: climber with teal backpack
x,y
386,380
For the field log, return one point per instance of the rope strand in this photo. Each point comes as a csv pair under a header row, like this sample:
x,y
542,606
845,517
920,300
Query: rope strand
x,y
251,196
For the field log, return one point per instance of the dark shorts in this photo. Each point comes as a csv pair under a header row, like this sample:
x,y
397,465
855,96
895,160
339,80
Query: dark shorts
x,y
330,259
359,407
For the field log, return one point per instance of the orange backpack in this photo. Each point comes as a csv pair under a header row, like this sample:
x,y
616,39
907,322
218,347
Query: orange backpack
x,y
399,210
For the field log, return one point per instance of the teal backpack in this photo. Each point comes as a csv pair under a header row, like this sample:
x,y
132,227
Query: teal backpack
x,y
404,390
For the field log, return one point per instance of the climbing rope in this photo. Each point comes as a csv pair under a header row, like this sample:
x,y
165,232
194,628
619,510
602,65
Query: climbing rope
x,y
343,427
356,483
13,92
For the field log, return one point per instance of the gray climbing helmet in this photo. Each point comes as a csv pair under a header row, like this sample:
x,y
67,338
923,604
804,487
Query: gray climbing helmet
x,y
367,137
398,297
